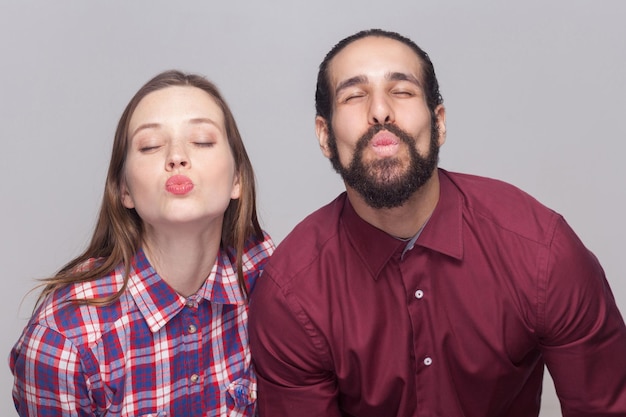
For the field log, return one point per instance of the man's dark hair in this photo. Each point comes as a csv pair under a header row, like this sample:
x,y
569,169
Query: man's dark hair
x,y
324,95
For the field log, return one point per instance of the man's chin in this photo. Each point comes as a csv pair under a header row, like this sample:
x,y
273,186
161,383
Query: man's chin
x,y
388,178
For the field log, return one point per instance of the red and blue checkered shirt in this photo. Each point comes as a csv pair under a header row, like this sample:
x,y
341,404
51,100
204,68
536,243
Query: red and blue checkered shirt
x,y
153,352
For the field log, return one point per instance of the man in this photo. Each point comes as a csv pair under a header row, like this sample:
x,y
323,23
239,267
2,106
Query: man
x,y
421,292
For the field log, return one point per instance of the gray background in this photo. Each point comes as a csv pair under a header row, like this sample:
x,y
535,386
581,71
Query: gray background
x,y
535,95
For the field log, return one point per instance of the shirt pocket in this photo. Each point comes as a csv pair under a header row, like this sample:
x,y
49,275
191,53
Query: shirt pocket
x,y
242,392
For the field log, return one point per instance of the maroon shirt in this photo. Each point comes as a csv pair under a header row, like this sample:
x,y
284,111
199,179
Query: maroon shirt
x,y
346,322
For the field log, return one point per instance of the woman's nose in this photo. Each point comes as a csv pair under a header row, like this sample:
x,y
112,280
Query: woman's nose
x,y
177,157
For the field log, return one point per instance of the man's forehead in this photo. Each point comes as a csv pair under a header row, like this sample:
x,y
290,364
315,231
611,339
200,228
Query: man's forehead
x,y
374,55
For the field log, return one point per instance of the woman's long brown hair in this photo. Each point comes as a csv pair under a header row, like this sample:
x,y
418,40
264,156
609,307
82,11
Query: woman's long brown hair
x,y
118,233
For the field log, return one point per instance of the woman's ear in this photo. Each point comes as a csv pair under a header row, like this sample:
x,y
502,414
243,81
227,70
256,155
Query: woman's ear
x,y
127,198
236,191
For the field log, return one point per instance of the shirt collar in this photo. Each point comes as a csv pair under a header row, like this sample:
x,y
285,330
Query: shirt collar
x,y
159,303
442,233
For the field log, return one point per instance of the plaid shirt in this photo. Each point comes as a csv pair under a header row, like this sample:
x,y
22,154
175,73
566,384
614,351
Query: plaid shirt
x,y
151,353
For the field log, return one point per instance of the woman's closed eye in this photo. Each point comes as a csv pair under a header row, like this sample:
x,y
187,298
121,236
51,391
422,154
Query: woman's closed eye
x,y
148,148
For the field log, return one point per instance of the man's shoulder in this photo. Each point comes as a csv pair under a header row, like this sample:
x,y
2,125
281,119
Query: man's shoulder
x,y
477,184
305,243
503,204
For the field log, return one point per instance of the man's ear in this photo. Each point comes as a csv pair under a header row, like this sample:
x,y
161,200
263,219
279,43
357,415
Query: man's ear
x,y
440,115
321,130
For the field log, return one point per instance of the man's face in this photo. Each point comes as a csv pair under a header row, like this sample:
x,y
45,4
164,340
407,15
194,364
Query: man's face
x,y
382,138
386,182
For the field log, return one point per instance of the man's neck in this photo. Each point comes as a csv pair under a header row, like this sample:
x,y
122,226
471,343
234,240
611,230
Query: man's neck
x,y
403,221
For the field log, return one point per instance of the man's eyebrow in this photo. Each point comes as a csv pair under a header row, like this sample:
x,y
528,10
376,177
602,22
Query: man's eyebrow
x,y
401,76
359,79
362,79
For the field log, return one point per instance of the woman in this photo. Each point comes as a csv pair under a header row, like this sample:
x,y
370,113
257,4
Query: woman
x,y
151,319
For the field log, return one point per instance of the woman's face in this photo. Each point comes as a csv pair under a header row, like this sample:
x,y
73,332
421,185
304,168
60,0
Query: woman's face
x,y
179,167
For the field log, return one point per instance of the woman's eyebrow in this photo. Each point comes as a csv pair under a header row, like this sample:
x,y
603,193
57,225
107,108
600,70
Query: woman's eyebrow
x,y
145,126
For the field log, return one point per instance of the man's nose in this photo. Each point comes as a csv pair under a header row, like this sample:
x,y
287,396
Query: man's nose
x,y
380,110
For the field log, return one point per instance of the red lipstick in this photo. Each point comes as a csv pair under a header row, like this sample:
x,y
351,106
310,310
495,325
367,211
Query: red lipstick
x,y
179,185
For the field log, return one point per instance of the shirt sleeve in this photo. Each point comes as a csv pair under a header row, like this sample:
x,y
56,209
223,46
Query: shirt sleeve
x,y
581,329
48,376
288,353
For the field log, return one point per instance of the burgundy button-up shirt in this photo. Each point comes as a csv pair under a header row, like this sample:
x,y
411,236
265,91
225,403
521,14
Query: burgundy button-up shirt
x,y
350,321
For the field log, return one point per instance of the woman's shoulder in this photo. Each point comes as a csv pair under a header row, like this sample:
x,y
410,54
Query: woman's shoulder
x,y
79,309
258,249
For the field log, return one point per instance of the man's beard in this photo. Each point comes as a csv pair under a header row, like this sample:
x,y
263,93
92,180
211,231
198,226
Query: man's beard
x,y
381,183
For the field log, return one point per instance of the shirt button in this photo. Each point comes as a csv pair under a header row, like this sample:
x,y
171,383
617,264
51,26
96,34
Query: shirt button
x,y
191,328
194,378
419,294
428,361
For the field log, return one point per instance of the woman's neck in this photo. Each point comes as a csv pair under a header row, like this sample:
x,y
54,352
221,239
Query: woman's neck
x,y
183,260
